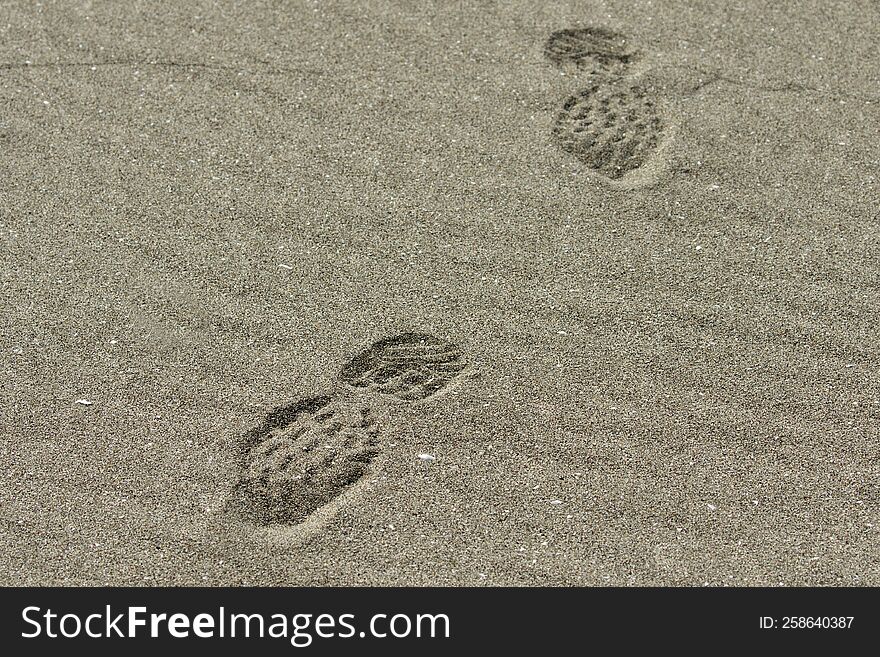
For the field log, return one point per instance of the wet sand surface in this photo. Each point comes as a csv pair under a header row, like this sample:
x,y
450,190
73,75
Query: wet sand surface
x,y
669,354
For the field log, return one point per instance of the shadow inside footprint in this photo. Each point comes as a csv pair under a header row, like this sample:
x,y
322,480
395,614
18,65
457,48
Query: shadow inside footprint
x,y
595,48
410,366
302,457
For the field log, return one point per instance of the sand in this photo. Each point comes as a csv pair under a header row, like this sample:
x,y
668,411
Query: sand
x,y
209,209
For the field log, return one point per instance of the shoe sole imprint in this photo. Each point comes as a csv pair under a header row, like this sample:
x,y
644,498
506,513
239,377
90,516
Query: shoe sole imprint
x,y
410,366
305,455
593,48
613,129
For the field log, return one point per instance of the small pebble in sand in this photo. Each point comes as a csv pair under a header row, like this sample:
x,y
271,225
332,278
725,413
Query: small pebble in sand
x,y
555,502
426,457
84,402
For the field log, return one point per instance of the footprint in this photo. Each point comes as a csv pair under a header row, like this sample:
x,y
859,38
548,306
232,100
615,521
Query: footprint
x,y
298,465
612,125
305,455
593,48
410,366
613,128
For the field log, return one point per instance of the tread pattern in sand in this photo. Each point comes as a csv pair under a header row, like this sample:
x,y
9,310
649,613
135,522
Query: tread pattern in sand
x,y
613,128
595,48
305,455
410,366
